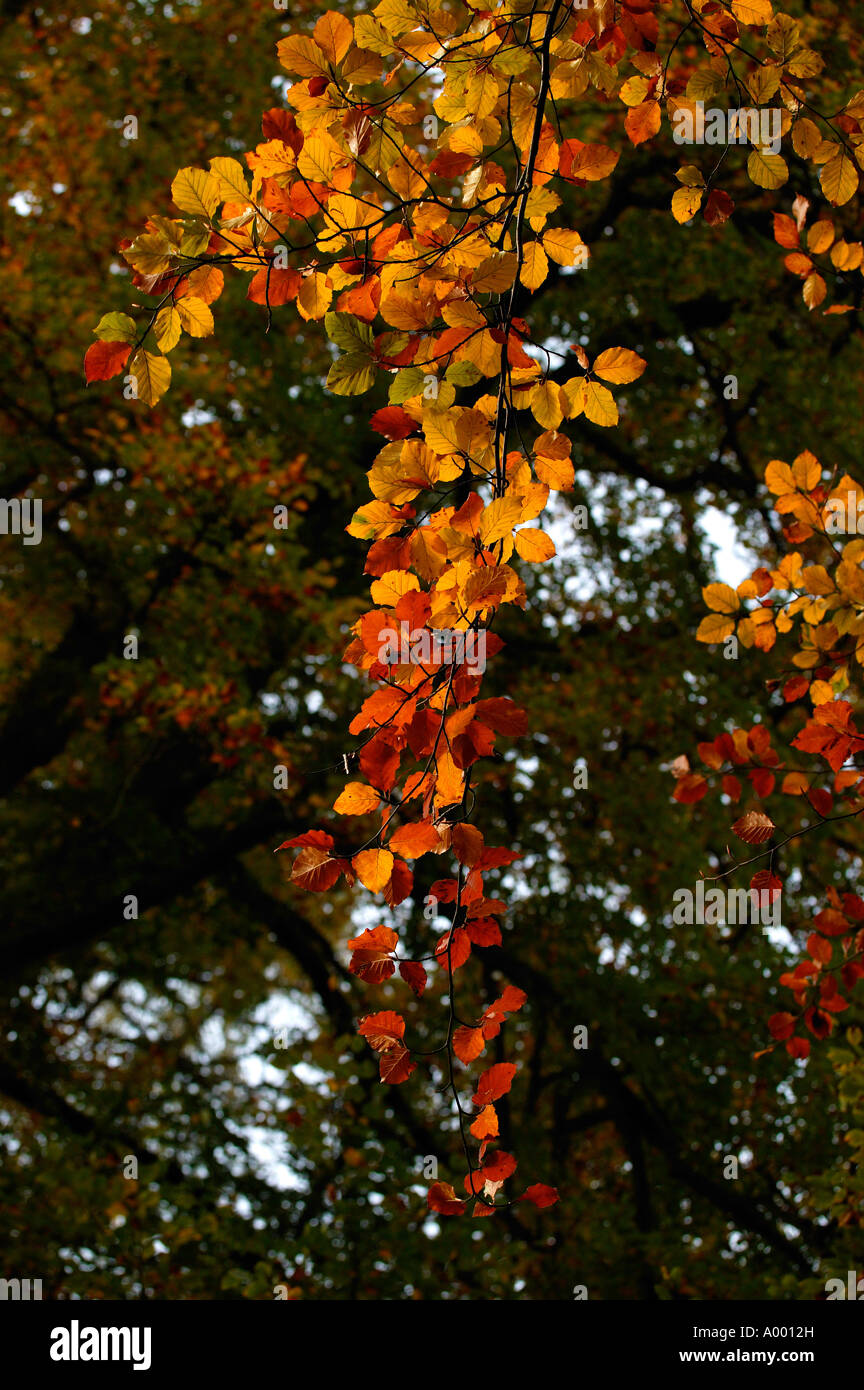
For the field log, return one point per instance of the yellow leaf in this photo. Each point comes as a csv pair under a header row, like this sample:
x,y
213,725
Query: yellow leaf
x,y
839,179
440,430
821,692
535,266
481,94
167,328
715,628
817,580
151,376
779,478
534,545
814,291
196,191
567,248
722,598
334,35
820,237
806,138
599,404
557,473
318,158
195,316
619,365
374,868
495,274
807,471
686,202
547,406
387,591
499,518
753,11
231,179
360,68
767,170
634,91
315,296
301,55
356,799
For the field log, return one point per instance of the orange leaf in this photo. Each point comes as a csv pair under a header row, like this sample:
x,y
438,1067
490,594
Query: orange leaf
x,y
494,1083
486,1124
374,867
442,1198
357,800
413,840
382,1031
104,360
314,870
754,828
468,1043
395,1065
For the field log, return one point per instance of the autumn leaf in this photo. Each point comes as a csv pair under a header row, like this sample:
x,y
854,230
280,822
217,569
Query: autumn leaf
x,y
357,799
442,1198
468,1043
494,1083
540,1195
315,870
374,867
105,359
754,828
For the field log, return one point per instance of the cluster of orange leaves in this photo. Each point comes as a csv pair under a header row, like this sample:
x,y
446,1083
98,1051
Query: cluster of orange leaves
x,y
829,600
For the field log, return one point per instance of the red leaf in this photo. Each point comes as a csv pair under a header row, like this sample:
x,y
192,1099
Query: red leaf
x,y
399,886
719,208
460,949
317,839
393,422
831,923
442,1198
413,974
540,1195
690,788
104,360
502,715
494,1083
395,1065
781,1026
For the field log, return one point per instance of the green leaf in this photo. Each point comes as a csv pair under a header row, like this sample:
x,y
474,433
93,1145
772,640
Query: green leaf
x,y
196,191
115,328
349,333
407,383
351,375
